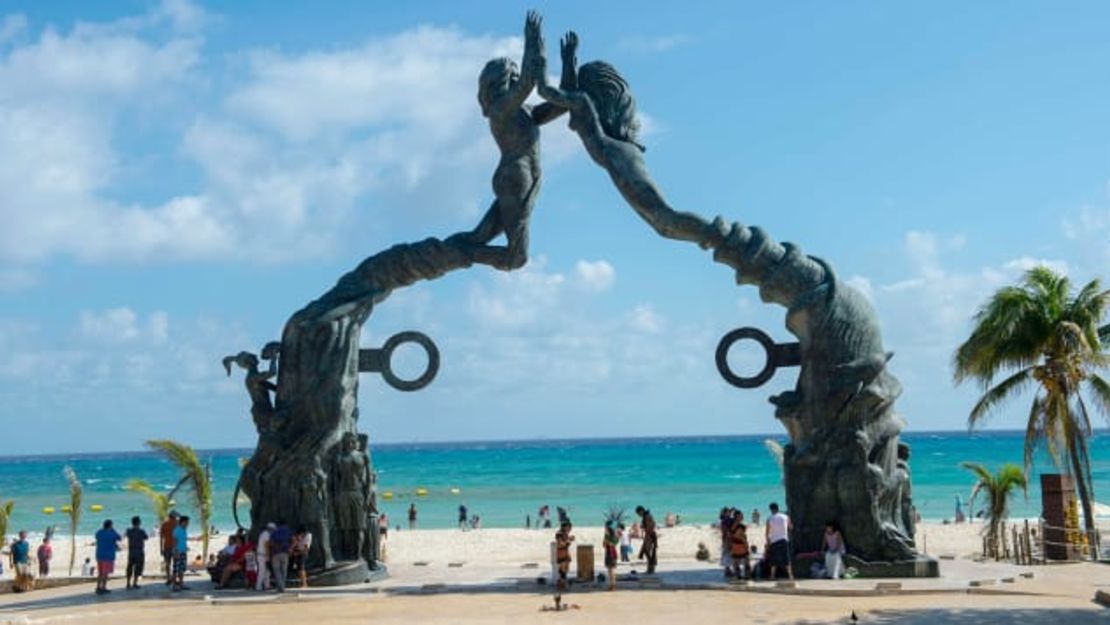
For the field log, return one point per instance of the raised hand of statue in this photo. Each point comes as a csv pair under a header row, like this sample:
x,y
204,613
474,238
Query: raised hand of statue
x,y
568,49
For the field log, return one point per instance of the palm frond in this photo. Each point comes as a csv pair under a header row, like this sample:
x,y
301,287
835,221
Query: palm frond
x,y
160,502
990,400
1100,392
5,517
76,495
195,474
775,449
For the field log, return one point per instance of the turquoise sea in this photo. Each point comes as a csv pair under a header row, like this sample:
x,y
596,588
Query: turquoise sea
x,y
505,481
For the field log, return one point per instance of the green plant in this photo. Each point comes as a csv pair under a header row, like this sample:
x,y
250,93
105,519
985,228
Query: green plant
x,y
161,502
76,494
1046,336
196,475
5,516
997,488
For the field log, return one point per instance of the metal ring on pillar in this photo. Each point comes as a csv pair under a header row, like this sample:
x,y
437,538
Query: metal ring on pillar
x,y
754,334
396,341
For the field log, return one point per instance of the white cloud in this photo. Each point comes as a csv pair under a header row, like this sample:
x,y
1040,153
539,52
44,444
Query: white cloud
x,y
644,44
595,276
644,319
122,325
301,149
1025,263
12,26
518,298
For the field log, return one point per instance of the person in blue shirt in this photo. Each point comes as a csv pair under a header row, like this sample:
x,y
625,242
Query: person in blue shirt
x,y
107,544
281,540
21,561
180,552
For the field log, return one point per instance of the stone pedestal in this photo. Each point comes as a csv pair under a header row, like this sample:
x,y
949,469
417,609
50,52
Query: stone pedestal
x,y
1057,498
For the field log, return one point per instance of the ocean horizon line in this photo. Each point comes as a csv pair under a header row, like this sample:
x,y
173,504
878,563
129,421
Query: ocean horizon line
x,y
541,441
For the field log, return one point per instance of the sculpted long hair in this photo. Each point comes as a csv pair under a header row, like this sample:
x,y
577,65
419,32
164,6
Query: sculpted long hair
x,y
612,97
495,78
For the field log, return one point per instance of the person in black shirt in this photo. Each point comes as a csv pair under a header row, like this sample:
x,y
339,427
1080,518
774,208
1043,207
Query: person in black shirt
x,y
136,552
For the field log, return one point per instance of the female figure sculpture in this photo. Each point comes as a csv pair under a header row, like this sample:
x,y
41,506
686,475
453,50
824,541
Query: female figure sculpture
x,y
845,460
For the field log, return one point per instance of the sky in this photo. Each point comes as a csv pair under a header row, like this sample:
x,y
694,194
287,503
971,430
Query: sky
x,y
178,177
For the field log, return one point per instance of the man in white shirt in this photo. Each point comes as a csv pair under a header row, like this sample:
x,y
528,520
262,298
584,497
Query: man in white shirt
x,y
778,541
264,557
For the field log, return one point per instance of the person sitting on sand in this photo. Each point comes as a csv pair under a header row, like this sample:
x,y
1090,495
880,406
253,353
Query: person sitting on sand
x,y
833,545
563,539
650,547
237,562
87,569
669,520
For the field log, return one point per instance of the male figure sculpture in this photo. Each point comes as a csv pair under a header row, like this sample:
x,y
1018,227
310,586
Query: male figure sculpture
x,y
502,90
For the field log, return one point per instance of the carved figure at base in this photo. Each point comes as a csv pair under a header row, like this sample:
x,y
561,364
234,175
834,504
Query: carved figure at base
x,y
502,90
351,483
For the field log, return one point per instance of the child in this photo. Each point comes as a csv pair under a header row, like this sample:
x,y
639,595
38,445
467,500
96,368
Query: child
x,y
563,539
611,540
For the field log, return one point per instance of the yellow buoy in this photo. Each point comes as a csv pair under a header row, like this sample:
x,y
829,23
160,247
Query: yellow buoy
x,y
66,508
420,492
454,491
96,507
387,494
48,510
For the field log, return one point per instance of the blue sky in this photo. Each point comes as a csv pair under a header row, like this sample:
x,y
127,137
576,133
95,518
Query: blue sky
x,y
177,178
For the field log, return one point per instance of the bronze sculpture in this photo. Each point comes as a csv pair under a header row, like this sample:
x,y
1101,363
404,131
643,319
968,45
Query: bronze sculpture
x,y
844,461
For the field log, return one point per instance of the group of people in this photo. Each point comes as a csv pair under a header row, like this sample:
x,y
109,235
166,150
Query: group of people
x,y
267,563
737,552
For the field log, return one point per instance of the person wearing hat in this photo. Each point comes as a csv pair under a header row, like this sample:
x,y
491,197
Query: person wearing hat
x,y
263,551
165,538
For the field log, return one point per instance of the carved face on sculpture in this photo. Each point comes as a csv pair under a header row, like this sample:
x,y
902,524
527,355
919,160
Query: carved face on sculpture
x,y
245,360
612,97
497,77
350,442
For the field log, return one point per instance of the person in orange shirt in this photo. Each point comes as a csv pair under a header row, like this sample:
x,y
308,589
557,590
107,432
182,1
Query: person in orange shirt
x,y
165,538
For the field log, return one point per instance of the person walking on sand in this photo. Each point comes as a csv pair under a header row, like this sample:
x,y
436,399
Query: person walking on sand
x,y
136,552
165,537
45,554
462,517
180,553
107,544
412,516
563,539
649,549
21,561
778,541
281,541
611,541
263,551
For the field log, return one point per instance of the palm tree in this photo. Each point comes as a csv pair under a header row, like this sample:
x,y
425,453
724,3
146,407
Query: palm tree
x,y
76,493
1042,333
5,516
998,488
160,501
194,474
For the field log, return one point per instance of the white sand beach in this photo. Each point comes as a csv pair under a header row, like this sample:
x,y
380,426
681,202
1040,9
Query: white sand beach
x,y
501,546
